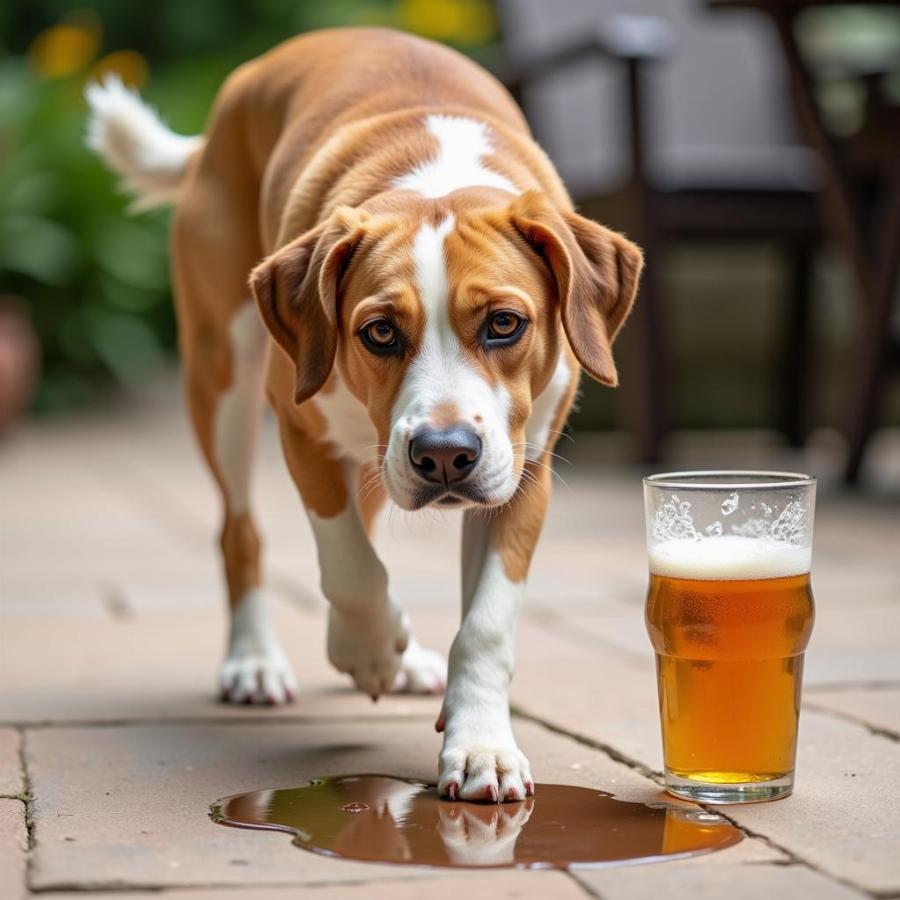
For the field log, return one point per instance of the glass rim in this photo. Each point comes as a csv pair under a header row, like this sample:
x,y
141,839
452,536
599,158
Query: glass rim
x,y
729,480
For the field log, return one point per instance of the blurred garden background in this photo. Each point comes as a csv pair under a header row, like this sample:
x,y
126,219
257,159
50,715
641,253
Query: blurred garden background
x,y
93,280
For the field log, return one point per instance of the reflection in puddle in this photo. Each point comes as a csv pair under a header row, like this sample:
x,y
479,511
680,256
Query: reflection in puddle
x,y
377,818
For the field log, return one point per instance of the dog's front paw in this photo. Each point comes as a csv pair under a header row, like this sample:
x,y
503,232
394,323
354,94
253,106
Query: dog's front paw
x,y
484,767
422,671
368,646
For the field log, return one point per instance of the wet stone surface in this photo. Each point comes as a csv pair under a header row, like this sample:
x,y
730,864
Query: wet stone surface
x,y
377,818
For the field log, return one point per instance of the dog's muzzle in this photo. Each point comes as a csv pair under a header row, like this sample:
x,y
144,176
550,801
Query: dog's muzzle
x,y
442,460
444,456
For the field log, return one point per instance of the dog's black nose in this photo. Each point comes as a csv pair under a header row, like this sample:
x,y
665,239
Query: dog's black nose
x,y
444,455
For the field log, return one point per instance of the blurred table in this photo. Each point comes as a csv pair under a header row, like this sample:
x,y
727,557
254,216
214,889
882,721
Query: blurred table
x,y
874,253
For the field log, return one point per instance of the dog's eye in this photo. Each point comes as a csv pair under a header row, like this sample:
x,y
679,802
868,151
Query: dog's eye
x,y
504,327
380,336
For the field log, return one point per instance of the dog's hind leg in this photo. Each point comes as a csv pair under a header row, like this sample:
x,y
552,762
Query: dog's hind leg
x,y
224,350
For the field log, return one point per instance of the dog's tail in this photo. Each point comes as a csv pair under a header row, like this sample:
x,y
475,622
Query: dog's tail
x,y
135,143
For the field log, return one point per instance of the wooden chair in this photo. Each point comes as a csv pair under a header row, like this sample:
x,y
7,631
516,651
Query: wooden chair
x,y
683,121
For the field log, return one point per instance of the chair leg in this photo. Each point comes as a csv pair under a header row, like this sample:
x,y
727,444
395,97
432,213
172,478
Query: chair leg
x,y
793,397
644,394
873,361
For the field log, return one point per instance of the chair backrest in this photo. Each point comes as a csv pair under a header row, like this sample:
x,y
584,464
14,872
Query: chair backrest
x,y
719,109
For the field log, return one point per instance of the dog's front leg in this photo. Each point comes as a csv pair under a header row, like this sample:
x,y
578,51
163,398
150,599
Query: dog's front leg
x,y
368,633
480,759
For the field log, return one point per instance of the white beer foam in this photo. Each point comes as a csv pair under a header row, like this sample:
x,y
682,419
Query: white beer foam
x,y
728,557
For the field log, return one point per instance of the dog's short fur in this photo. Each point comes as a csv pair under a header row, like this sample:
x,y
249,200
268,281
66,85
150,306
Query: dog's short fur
x,y
368,187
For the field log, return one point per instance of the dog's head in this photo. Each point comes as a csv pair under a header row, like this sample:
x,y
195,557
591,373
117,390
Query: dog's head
x,y
446,319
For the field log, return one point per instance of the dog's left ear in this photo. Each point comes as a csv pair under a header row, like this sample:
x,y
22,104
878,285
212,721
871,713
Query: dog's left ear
x,y
596,272
296,289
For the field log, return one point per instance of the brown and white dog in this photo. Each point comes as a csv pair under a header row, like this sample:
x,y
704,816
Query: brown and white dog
x,y
431,293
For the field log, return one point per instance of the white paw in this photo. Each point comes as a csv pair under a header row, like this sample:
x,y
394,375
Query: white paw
x,y
369,647
482,835
422,671
484,769
255,669
263,679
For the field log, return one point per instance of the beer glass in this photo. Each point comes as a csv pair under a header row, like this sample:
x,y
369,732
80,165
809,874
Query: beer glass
x,y
729,612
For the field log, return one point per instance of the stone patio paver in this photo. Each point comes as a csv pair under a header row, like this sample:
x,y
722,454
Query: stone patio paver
x,y
13,847
161,666
126,805
736,883
111,611
879,709
449,886
843,817
10,766
838,819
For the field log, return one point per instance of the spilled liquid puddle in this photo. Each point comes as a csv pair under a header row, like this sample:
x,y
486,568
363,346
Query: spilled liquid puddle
x,y
377,818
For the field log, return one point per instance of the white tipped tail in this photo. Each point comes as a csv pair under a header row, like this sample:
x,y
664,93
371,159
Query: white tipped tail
x,y
135,143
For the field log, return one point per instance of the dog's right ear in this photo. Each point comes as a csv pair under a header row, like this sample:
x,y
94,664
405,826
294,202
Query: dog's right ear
x,y
296,289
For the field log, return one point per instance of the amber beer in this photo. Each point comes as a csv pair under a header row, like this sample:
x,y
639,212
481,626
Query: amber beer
x,y
729,618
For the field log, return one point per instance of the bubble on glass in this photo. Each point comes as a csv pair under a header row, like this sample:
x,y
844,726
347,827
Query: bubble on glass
x,y
785,527
673,521
730,503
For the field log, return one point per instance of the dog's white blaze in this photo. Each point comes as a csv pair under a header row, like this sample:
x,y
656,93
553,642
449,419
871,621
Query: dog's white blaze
x,y
431,276
442,373
544,409
462,143
238,411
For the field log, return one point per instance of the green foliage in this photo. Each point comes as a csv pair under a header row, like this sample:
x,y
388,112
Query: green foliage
x,y
94,281
94,278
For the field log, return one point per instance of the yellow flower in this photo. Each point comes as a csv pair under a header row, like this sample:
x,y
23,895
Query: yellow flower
x,y
129,65
459,21
67,48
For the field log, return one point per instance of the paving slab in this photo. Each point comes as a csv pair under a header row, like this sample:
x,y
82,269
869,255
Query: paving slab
x,y
13,848
126,807
592,690
10,765
775,882
843,818
436,886
852,645
878,708
164,666
839,818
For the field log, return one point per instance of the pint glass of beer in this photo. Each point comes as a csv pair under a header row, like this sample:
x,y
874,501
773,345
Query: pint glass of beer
x,y
729,612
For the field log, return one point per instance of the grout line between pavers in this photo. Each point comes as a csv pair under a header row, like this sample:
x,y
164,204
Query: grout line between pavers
x,y
657,778
875,730
586,888
542,615
189,524
390,719
427,875
610,751
840,686
27,799
115,602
